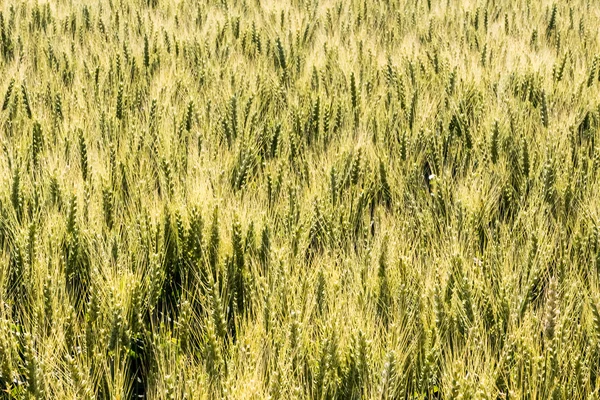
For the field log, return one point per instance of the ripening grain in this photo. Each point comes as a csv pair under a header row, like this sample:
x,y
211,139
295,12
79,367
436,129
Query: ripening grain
x,y
303,199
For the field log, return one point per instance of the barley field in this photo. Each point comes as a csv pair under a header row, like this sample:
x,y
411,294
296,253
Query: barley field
x,y
300,199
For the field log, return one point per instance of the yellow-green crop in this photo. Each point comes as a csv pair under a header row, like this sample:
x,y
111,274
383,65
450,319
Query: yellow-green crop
x,y
300,199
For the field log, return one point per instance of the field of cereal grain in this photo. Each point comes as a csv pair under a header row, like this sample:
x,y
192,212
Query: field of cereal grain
x,y
299,199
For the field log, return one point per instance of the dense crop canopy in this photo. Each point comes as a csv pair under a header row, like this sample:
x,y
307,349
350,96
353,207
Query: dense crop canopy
x,y
322,199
